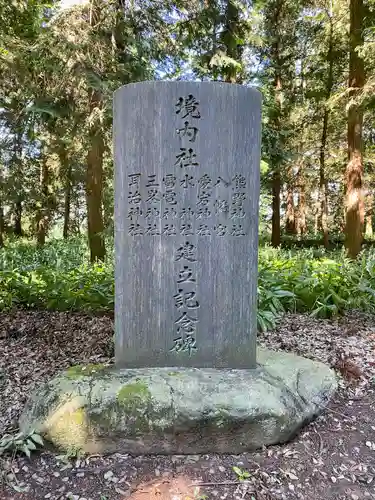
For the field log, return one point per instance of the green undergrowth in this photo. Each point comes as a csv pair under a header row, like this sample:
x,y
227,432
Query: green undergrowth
x,y
59,277
55,277
313,281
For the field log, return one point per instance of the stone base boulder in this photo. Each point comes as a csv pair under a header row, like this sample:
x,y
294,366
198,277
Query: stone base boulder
x,y
97,409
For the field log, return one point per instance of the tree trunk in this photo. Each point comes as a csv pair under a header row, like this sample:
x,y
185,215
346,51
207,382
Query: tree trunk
x,y
67,198
276,227
354,170
42,228
1,227
94,171
275,159
94,188
43,214
18,218
76,222
18,181
301,208
290,215
276,179
323,184
369,215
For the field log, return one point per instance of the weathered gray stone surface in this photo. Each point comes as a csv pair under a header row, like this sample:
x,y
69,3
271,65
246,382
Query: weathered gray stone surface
x,y
180,410
187,161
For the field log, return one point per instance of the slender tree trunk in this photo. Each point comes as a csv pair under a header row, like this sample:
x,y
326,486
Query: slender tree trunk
x,y
66,169
275,159
290,215
276,226
77,218
42,228
300,225
316,224
276,177
323,184
354,170
301,209
18,181
68,192
300,213
94,171
369,214
94,189
18,218
67,201
44,212
1,227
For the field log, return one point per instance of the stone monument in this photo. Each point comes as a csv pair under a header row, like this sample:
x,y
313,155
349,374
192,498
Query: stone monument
x,y
186,224
188,377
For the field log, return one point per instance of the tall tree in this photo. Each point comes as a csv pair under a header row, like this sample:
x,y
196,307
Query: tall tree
x,y
354,169
323,184
290,213
94,184
278,51
94,172
67,196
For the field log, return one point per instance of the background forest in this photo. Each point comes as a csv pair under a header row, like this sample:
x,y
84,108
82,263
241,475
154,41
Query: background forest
x,y
314,62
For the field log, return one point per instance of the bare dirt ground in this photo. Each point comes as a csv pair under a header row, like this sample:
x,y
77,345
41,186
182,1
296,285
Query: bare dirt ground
x,y
333,458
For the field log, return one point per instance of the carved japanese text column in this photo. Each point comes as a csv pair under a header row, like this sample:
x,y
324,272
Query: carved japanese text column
x,y
186,224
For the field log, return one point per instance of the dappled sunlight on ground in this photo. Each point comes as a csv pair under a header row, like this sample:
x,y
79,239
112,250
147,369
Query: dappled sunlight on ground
x,y
177,488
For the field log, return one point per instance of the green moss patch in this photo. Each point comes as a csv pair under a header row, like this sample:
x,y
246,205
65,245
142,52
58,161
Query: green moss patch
x,y
134,392
84,370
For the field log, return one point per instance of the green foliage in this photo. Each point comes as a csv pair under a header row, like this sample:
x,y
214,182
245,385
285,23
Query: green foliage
x,y
198,496
324,285
20,443
57,277
241,474
72,453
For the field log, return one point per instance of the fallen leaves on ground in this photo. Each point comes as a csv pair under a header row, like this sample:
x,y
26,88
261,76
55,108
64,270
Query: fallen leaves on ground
x,y
333,458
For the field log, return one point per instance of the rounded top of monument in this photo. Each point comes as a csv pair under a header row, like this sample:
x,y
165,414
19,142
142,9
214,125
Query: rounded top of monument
x,y
186,84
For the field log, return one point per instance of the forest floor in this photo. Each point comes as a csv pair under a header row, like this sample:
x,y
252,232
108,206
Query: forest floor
x,y
333,458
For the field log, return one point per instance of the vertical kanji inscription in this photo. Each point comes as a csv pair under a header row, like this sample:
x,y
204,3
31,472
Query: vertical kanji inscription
x,y
186,211
186,300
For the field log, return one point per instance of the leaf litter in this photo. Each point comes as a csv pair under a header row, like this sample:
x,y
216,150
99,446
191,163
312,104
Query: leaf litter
x,y
332,458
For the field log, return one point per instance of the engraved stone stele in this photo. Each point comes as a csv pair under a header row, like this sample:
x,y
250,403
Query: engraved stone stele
x,y
187,159
186,380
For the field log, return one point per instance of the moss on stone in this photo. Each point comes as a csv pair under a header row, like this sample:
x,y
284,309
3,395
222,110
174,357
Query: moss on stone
x,y
69,430
134,393
77,371
78,417
135,399
175,374
107,418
